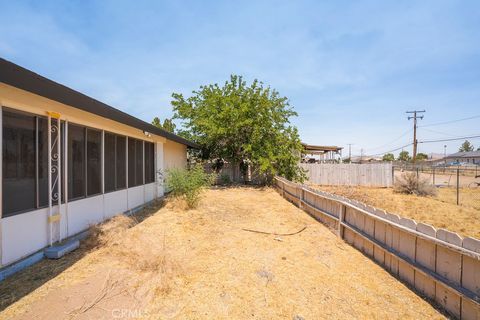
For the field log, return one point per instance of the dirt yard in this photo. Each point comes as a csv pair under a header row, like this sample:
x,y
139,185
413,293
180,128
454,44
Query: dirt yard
x,y
201,264
440,211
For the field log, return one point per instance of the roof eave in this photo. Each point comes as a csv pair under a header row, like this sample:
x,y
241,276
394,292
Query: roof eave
x,y
24,79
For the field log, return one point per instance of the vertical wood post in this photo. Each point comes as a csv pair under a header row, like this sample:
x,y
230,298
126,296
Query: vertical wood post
x,y
458,186
300,203
433,178
341,218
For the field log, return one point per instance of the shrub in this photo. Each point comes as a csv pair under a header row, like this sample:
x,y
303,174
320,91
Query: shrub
x,y
188,183
410,183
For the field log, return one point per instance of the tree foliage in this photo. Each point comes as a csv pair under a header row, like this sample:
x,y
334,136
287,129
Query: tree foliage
x,y
167,124
243,123
404,156
421,156
466,147
388,157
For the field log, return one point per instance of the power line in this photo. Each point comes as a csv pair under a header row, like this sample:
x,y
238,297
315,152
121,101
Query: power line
x,y
393,150
447,122
434,131
427,141
394,140
451,139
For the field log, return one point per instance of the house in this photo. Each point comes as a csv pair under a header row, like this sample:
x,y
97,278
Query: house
x,y
321,154
69,161
365,159
471,157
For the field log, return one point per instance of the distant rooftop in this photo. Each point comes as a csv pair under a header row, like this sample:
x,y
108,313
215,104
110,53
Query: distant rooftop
x,y
469,154
320,149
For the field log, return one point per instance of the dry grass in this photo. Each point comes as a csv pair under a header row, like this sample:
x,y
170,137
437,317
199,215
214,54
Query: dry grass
x,y
439,211
410,183
226,272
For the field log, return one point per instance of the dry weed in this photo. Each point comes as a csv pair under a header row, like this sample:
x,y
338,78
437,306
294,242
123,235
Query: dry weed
x,y
176,204
145,256
108,233
410,183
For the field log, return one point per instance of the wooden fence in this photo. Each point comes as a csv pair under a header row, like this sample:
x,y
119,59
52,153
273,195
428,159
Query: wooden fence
x,y
234,174
368,174
439,264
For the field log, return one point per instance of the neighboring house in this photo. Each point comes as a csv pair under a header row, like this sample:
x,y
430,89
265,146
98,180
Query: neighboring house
x,y
365,159
471,157
321,154
70,161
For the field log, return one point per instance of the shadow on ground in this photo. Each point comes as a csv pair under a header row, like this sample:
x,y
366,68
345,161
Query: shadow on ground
x,y
28,280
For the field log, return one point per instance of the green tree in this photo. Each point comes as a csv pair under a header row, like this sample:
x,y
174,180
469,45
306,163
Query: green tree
x,y
404,156
388,157
243,124
421,156
466,147
167,125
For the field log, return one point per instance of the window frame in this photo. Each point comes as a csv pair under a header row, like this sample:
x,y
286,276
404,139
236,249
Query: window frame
x,y
37,205
100,162
66,165
116,136
149,177
69,165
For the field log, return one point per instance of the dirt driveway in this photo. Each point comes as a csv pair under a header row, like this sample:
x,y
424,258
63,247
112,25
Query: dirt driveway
x,y
200,264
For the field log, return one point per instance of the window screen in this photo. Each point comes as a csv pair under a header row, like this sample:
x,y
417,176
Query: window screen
x,y
131,162
76,162
139,163
121,162
19,136
110,162
94,162
149,163
42,138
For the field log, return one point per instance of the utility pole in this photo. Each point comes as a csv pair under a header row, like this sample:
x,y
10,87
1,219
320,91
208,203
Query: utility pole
x,y
445,154
415,117
350,151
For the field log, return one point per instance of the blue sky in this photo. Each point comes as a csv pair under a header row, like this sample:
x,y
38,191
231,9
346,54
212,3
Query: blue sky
x,y
350,68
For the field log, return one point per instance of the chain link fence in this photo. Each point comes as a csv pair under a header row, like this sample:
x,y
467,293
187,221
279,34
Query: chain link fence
x,y
458,184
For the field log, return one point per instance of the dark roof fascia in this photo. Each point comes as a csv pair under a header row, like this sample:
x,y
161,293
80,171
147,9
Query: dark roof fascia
x,y
468,154
21,78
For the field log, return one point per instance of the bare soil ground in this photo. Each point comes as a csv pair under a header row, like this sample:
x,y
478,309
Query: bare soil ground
x,y
201,264
439,211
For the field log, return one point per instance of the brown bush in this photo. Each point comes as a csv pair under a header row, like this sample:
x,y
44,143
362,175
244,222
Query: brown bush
x,y
410,183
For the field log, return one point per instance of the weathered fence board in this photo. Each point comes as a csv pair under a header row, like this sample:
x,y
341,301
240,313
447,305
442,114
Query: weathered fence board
x,y
438,263
368,174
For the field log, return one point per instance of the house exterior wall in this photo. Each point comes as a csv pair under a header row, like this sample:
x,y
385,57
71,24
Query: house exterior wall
x,y
25,233
175,155
472,160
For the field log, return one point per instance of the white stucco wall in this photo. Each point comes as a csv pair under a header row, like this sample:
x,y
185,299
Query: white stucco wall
x,y
175,155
